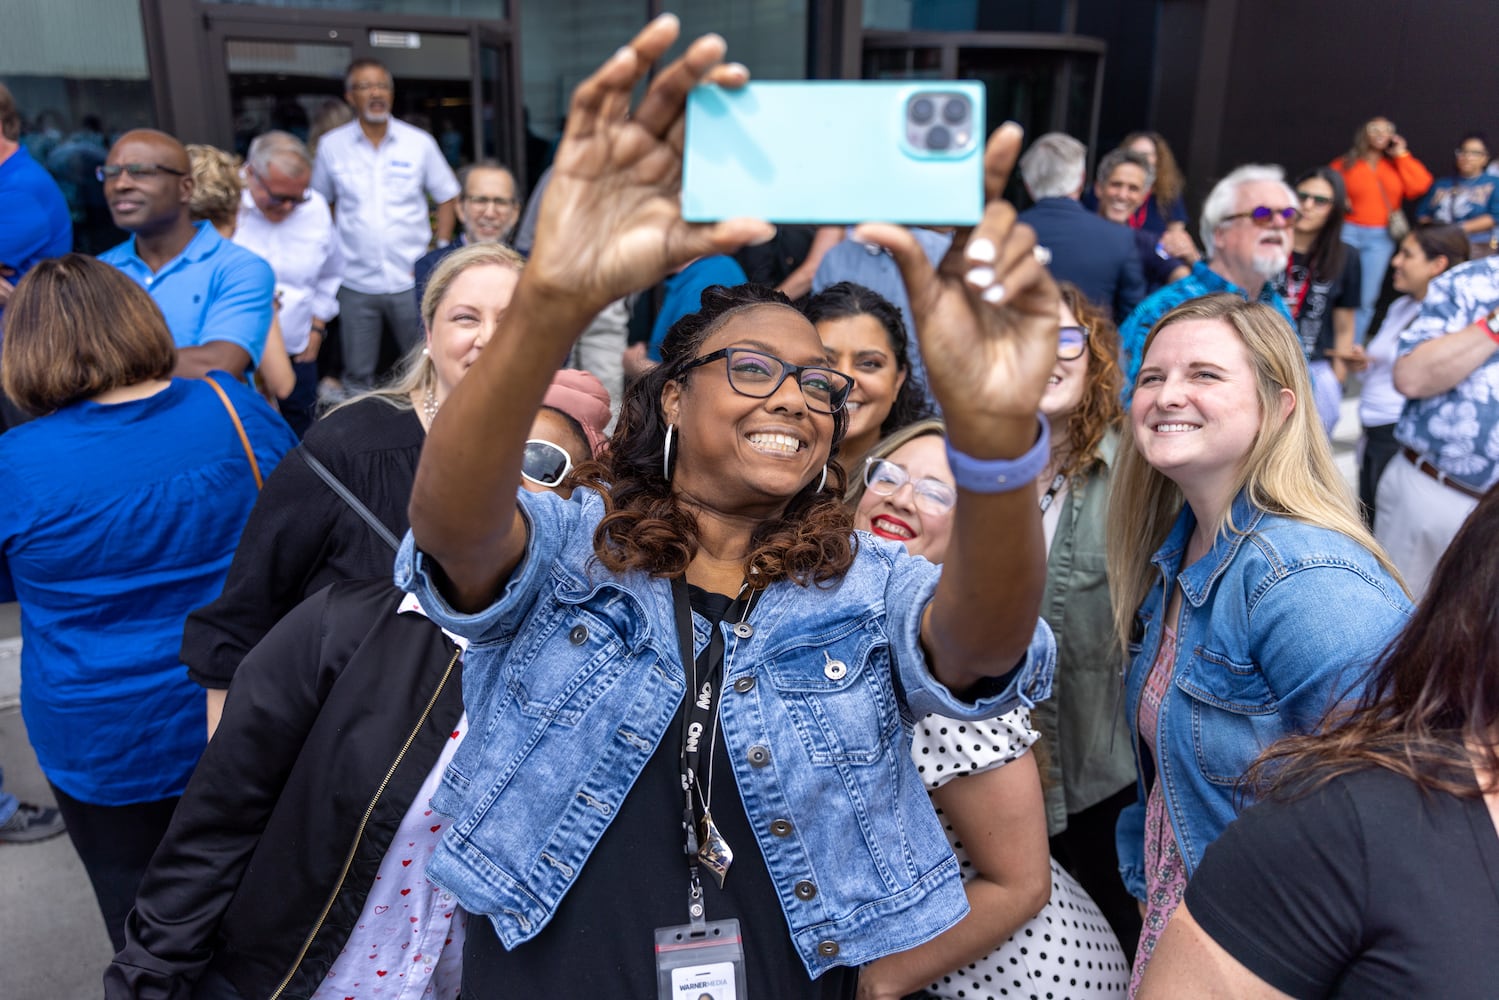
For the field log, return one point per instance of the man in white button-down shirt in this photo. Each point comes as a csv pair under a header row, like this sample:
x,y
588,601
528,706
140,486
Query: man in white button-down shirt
x,y
283,220
378,172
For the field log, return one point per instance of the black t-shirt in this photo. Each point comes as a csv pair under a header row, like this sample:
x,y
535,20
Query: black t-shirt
x,y
1313,297
1367,887
600,943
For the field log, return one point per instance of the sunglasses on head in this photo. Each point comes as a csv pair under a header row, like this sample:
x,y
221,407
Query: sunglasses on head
x,y
545,463
1263,215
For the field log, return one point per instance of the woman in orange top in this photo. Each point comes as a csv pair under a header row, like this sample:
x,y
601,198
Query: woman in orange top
x,y
1380,174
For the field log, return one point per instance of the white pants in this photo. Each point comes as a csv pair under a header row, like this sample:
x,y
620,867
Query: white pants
x,y
1415,518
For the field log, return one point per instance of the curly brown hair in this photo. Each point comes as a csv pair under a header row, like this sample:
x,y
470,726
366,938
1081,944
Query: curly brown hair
x,y
646,528
1100,410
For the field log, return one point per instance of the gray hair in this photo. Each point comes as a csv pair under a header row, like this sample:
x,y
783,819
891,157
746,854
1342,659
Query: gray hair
x,y
1054,166
281,148
488,163
1225,195
1116,158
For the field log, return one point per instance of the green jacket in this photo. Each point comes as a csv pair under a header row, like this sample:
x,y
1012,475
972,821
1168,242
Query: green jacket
x,y
1087,753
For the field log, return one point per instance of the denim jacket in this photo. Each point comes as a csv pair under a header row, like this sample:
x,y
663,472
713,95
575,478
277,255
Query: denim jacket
x,y
1279,621
573,677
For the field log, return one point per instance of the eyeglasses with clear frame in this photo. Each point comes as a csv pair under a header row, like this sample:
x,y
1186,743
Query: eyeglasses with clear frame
x,y
545,463
885,478
112,170
1263,215
758,375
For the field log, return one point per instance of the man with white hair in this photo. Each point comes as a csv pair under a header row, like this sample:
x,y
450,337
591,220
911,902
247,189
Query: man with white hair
x,y
1094,254
378,172
1246,228
283,220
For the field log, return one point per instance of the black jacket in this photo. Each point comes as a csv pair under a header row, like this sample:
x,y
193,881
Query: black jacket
x,y
1096,255
332,724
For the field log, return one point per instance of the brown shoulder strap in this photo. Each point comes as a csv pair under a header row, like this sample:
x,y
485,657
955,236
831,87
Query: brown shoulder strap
x,y
239,429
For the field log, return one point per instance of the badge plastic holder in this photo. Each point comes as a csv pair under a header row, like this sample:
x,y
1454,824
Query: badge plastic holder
x,y
703,960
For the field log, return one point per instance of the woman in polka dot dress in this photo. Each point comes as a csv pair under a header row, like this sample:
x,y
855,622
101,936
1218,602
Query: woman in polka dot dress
x,y
1032,931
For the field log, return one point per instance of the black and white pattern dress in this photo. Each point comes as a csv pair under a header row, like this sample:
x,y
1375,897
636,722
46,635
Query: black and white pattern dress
x,y
1067,951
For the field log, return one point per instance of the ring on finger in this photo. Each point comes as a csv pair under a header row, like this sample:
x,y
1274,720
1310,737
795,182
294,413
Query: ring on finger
x,y
1042,255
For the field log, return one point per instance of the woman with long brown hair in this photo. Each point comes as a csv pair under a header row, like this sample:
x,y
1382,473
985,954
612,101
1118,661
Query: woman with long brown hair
x,y
1371,867
1381,175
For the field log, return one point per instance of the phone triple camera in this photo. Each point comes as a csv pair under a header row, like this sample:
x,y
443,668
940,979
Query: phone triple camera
x,y
939,122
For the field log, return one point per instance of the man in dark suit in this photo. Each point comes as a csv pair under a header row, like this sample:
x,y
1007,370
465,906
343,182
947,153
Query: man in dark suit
x,y
1093,253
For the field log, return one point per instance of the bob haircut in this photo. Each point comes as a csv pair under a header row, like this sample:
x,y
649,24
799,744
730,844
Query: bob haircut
x,y
76,327
1289,469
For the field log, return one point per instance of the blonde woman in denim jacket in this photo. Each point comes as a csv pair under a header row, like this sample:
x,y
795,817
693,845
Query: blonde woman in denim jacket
x,y
1250,595
589,818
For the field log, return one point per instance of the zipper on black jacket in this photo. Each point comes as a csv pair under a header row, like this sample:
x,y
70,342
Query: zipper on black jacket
x,y
359,830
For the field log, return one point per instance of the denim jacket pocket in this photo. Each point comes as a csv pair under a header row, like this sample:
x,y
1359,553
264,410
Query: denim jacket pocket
x,y
1234,714
838,694
572,653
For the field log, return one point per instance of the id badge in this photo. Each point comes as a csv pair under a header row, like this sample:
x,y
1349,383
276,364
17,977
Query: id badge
x,y
702,961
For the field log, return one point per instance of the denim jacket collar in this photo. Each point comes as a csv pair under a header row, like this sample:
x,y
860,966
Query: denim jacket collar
x,y
1197,579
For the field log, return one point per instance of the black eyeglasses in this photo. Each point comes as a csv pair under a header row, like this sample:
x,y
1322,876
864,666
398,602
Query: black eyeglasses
x,y
1072,342
759,375
1471,152
1263,215
111,170
545,463
280,200
1320,200
932,496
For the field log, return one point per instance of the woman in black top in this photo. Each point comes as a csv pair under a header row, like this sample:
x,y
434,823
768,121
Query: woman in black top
x,y
1371,867
1321,286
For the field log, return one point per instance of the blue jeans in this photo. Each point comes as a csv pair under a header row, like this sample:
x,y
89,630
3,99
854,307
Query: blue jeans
x,y
8,802
1374,248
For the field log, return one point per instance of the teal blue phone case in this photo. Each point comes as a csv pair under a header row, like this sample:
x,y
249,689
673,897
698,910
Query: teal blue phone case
x,y
835,152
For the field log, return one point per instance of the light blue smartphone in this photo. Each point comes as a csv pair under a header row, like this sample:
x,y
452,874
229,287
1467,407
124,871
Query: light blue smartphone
x,y
908,151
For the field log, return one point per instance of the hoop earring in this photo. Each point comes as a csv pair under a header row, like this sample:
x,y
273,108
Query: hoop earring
x,y
666,453
823,481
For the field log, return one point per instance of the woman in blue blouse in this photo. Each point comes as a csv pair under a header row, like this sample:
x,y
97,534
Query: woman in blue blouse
x,y
1469,198
120,507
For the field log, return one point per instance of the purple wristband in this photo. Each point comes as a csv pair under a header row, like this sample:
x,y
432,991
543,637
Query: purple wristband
x,y
1001,475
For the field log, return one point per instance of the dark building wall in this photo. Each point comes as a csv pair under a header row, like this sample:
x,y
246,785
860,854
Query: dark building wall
x,y
1301,77
1129,27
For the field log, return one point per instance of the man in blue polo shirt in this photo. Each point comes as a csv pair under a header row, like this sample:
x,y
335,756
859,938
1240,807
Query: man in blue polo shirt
x,y
34,219
216,296
1246,227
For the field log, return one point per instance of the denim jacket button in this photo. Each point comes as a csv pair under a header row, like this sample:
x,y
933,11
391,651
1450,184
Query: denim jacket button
x,y
828,949
744,685
578,635
744,630
759,756
805,890
781,827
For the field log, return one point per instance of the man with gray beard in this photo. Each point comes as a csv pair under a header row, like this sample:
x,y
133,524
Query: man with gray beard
x,y
1246,227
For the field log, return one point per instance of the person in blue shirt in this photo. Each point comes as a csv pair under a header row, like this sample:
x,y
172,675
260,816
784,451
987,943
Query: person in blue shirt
x,y
34,219
216,296
120,508
684,293
1246,227
1469,199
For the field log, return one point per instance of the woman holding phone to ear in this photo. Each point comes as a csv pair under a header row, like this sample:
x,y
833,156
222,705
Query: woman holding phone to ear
x,y
711,554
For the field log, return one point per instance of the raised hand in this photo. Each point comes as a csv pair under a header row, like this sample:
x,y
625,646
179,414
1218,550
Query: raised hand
x,y
986,318
611,220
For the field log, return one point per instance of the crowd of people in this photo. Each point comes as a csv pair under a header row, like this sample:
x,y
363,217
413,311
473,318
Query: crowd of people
x,y
723,610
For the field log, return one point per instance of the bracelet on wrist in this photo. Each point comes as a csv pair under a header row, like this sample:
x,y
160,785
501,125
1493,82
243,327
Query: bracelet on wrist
x,y
1001,475
1490,324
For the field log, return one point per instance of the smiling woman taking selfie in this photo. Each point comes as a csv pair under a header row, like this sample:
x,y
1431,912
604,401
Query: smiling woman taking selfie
x,y
1230,533
774,810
